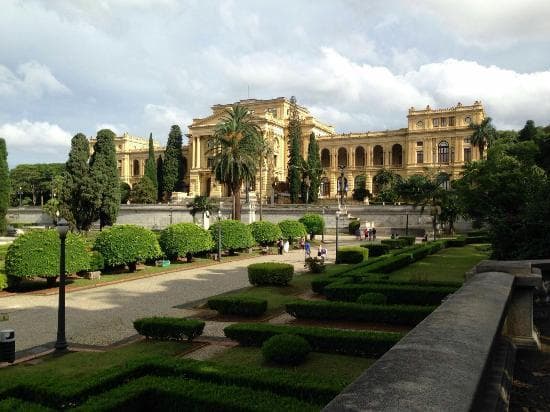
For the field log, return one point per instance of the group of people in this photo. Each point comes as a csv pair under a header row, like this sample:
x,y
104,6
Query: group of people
x,y
321,251
283,246
367,234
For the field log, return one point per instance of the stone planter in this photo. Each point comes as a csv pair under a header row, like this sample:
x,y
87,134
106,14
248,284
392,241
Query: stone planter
x,y
96,274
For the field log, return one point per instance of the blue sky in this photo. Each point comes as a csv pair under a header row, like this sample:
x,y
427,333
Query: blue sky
x,y
139,66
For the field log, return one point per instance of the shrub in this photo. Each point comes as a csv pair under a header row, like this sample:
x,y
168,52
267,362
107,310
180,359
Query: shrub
x,y
19,405
286,349
315,264
314,223
169,328
235,235
238,305
351,254
265,233
395,243
182,238
97,263
348,342
407,240
3,281
292,229
372,298
353,226
357,312
376,250
390,264
127,245
270,273
37,253
459,241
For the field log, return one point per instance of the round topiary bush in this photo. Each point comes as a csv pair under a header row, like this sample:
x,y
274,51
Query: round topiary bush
x,y
286,349
127,245
182,238
37,254
353,226
97,263
351,254
314,224
265,233
372,299
270,273
235,235
292,229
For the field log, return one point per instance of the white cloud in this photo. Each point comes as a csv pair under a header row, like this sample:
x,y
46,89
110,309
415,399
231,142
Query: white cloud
x,y
31,79
35,137
160,118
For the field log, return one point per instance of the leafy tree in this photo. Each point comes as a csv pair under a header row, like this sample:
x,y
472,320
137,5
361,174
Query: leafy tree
x,y
483,135
265,233
160,177
103,168
81,192
314,168
35,181
292,229
172,176
4,185
235,235
151,166
529,132
313,223
144,191
295,160
451,209
386,183
125,190
201,204
235,145
360,191
182,239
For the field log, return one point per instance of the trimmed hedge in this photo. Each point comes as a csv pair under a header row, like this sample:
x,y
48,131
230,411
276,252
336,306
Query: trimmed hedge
x,y
314,223
408,240
238,305
37,253
353,226
235,235
357,312
459,241
354,343
351,254
396,243
376,249
165,328
270,274
372,298
292,229
390,264
182,238
18,405
286,349
401,294
315,264
127,245
97,263
265,233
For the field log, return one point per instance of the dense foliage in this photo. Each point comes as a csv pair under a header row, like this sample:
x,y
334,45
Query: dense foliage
x,y
376,249
4,185
314,169
353,226
125,190
200,205
286,349
34,181
235,235
238,305
182,238
270,273
351,254
172,168
295,160
292,229
314,223
127,245
265,233
151,165
169,328
144,191
372,298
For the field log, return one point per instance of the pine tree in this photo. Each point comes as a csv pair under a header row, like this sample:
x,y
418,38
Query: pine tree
x,y
81,192
314,168
4,185
143,191
295,160
160,174
150,166
172,177
103,166
529,132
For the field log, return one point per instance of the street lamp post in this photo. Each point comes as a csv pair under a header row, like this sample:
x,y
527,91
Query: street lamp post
x,y
341,167
20,193
61,342
337,219
323,232
219,234
307,182
171,215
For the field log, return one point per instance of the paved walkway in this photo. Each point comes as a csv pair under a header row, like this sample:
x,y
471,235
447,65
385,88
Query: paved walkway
x,y
104,315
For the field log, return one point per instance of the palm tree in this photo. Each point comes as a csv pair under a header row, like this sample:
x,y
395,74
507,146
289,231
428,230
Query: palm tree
x,y
235,147
201,204
483,135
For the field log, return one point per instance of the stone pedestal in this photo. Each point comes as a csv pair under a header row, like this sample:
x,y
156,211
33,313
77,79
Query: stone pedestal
x,y
248,212
206,220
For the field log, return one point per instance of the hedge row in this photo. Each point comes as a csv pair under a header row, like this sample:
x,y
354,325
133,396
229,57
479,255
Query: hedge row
x,y
376,249
351,254
238,305
355,343
357,312
182,238
270,274
18,405
169,328
396,243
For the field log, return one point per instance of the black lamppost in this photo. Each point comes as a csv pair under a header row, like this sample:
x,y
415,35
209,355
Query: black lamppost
x,y
20,193
219,234
337,225
307,183
61,342
341,167
171,210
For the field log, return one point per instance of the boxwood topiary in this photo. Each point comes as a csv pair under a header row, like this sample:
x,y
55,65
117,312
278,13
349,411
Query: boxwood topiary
x,y
353,226
127,245
351,254
265,233
235,235
166,328
376,249
270,273
97,263
238,305
182,238
37,253
286,349
292,229
372,299
313,223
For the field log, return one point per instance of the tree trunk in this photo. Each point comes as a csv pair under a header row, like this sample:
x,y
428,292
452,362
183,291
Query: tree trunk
x,y
236,202
261,211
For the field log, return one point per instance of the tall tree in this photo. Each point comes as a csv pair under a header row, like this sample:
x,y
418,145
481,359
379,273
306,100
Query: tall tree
x,y
160,176
483,135
103,168
172,178
81,192
4,185
235,147
314,168
151,166
529,132
295,160
143,191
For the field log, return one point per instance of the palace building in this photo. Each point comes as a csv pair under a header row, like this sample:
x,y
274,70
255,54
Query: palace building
x,y
436,140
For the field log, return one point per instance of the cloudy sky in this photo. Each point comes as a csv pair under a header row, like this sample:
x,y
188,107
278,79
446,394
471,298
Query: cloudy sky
x,y
69,66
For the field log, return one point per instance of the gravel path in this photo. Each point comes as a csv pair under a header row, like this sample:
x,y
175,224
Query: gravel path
x,y
104,315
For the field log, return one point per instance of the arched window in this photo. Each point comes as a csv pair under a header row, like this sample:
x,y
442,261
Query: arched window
x,y
397,155
443,152
378,156
136,167
342,157
325,158
325,187
359,156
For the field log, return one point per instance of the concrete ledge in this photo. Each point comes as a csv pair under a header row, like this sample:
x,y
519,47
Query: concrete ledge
x,y
440,364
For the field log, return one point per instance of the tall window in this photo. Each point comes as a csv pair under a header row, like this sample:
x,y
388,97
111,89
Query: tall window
x,y
467,154
420,156
342,157
378,156
136,167
325,187
397,155
443,121
435,122
325,158
443,152
359,156
451,121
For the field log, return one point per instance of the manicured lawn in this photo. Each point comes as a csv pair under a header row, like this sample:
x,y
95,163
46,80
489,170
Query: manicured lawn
x,y
333,366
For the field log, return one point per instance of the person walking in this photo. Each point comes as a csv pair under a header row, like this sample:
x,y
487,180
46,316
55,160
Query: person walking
x,y
286,246
373,233
307,247
280,246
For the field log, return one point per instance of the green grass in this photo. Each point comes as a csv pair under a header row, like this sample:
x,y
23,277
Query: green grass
x,y
320,364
